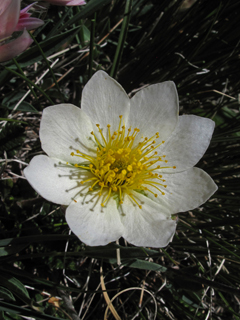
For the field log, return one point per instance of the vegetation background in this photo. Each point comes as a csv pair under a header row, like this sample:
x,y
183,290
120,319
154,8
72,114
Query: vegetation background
x,y
46,272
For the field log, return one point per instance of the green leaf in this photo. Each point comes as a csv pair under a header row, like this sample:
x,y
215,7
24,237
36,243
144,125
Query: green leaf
x,y
86,34
12,99
5,251
146,265
109,252
48,46
6,294
12,120
13,309
17,288
14,285
122,39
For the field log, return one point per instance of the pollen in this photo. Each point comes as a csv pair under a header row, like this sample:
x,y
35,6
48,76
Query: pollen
x,y
122,165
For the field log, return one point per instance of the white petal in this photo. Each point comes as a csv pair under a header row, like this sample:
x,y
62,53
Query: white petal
x,y
65,128
188,143
149,226
93,224
104,100
55,182
185,190
155,109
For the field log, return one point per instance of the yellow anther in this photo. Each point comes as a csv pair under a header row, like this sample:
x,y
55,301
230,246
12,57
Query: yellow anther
x,y
72,154
120,166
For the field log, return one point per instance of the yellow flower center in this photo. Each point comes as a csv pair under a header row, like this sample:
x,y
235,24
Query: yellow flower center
x,y
121,166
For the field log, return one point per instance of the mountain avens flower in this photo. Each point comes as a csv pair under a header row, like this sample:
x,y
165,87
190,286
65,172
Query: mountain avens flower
x,y
123,166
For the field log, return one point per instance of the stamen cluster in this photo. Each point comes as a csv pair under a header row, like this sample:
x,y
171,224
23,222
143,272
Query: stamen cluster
x,y
121,165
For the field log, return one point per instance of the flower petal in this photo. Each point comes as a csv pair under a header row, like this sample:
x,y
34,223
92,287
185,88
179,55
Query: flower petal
x,y
65,128
67,2
104,100
24,11
15,47
9,14
93,224
28,23
155,109
55,182
188,143
149,226
185,190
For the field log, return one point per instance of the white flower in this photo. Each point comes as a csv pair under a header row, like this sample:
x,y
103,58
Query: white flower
x,y
122,166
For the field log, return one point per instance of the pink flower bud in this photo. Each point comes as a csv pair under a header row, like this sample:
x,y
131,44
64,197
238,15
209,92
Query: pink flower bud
x,y
9,15
67,2
15,47
25,20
